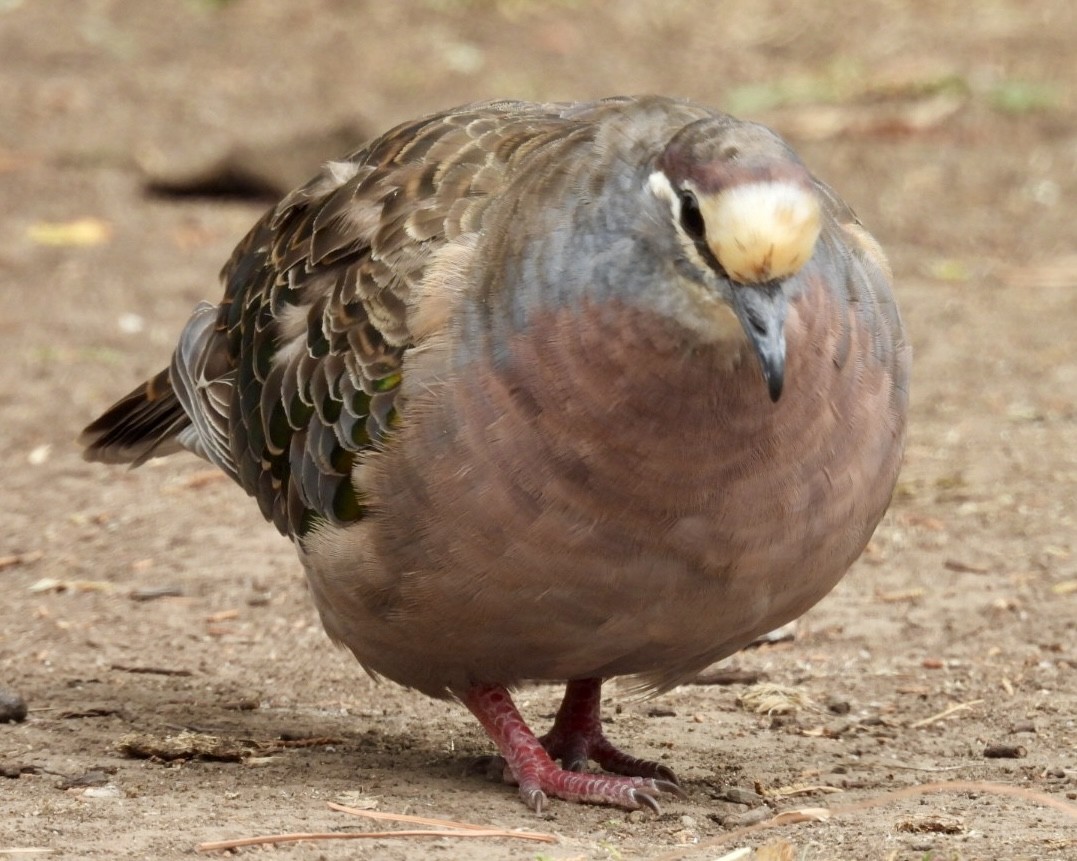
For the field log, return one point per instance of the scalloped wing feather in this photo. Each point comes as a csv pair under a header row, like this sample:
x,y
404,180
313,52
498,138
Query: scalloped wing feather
x,y
299,372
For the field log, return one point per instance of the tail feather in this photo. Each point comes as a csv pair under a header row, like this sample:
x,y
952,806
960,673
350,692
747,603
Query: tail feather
x,y
144,424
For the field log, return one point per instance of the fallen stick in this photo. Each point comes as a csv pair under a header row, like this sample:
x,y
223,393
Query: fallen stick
x,y
945,713
273,839
442,829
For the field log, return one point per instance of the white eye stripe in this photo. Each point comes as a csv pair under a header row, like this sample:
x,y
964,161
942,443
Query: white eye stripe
x,y
662,188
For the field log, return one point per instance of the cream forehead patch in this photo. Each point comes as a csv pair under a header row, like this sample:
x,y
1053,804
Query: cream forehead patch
x,y
760,231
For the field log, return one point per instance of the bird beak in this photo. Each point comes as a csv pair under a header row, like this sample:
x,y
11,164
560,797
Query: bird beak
x,y
761,309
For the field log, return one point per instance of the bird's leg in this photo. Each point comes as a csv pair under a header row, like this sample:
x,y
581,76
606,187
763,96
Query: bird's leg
x,y
538,776
576,736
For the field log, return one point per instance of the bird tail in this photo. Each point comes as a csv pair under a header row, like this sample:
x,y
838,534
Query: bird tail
x,y
146,423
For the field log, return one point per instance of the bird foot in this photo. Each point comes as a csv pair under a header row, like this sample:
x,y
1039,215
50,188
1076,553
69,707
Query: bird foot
x,y
546,780
636,784
577,736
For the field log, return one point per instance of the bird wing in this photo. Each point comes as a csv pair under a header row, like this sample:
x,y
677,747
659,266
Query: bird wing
x,y
297,372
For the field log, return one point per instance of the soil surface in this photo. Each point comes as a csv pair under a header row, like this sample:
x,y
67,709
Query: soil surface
x,y
140,605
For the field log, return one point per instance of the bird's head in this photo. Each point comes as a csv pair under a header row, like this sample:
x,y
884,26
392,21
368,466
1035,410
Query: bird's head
x,y
746,215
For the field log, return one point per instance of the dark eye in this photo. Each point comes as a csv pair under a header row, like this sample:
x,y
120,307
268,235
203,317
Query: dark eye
x,y
691,217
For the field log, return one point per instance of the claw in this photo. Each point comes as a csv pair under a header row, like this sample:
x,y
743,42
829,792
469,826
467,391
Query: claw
x,y
666,774
672,788
535,799
644,799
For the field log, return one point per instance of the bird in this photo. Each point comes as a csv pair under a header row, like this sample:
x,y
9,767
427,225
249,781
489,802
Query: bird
x,y
550,392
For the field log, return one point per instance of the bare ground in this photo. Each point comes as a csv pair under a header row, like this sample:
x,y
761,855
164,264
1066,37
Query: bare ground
x,y
951,128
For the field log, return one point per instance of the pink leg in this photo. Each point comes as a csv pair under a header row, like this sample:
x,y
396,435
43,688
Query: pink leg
x,y
538,776
576,736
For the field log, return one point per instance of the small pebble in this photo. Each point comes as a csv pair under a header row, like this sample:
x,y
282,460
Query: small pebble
x,y
109,791
1023,726
751,817
739,795
12,707
247,704
836,729
152,593
94,777
1005,751
688,821
838,706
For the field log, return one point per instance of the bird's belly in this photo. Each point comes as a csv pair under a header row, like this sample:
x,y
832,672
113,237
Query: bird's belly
x,y
497,591
571,538
490,582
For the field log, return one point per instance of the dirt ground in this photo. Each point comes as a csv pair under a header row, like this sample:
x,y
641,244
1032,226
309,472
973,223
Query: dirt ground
x,y
157,601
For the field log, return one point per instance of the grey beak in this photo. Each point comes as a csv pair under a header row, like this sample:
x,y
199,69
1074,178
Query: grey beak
x,y
761,309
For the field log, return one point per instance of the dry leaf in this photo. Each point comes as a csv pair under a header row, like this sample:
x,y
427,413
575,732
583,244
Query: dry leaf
x,y
767,699
910,596
775,850
185,745
20,559
805,814
357,800
80,233
931,825
222,616
39,454
51,584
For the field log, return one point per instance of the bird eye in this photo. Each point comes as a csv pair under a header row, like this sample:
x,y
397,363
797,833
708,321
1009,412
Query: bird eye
x,y
691,217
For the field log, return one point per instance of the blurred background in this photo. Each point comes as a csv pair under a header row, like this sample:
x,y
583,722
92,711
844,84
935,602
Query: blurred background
x,y
912,111
140,140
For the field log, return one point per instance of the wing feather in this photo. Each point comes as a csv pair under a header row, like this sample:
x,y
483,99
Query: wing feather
x,y
308,344
296,372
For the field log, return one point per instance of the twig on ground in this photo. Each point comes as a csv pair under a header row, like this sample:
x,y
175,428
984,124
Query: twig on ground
x,y
274,839
443,828
155,671
931,768
415,820
945,713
